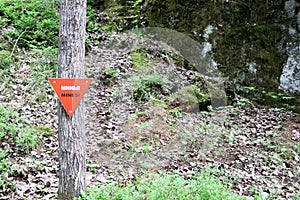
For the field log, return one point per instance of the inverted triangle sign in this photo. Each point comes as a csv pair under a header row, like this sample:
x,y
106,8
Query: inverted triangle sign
x,y
70,91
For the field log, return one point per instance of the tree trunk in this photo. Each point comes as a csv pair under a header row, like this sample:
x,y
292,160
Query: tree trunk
x,y
71,133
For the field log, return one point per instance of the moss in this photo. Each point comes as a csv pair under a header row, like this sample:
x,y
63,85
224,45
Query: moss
x,y
139,60
191,98
247,34
158,102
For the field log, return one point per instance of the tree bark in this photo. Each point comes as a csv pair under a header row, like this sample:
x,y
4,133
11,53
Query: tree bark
x,y
71,132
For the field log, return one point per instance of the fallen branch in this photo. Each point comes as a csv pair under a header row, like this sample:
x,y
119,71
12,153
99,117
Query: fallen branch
x,y
12,52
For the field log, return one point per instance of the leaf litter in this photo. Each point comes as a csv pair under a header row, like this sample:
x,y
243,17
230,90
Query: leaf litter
x,y
254,147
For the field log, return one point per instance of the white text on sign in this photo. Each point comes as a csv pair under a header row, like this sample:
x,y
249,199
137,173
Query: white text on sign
x,y
65,87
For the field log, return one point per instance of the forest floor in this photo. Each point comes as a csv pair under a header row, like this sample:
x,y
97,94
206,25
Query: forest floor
x,y
255,148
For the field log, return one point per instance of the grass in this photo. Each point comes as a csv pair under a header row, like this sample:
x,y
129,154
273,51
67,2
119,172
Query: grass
x,y
159,187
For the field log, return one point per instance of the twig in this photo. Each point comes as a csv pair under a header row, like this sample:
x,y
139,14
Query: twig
x,y
12,52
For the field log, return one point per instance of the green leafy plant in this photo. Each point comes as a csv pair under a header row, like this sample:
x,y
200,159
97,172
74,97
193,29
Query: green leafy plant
x,y
250,88
28,139
5,65
32,25
175,112
110,74
191,97
144,124
244,102
158,102
139,60
147,86
6,169
163,186
15,131
125,15
135,115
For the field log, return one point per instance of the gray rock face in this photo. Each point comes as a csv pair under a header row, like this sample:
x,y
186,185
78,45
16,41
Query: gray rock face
x,y
290,77
290,7
298,21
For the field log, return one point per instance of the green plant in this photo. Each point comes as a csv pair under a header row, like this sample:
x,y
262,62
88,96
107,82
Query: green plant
x,y
6,170
28,139
33,24
91,167
175,112
139,60
5,65
125,15
298,148
144,124
5,59
244,102
158,102
110,74
288,106
15,131
164,186
146,148
147,86
250,88
44,130
135,115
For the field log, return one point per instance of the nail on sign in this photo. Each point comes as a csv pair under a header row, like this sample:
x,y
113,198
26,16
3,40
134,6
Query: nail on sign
x,y
70,91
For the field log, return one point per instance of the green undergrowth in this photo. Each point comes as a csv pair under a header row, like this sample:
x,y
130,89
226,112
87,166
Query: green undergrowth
x,y
6,170
30,23
5,63
17,137
147,86
140,60
163,187
125,15
16,132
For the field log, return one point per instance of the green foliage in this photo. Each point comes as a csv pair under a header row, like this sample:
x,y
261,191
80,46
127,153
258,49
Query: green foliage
x,y
175,112
135,115
5,63
34,23
28,139
298,148
244,102
15,131
110,74
139,60
45,130
148,86
173,186
125,15
5,60
158,102
6,169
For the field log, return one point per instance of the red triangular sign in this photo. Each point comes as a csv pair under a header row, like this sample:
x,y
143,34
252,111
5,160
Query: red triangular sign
x,y
70,91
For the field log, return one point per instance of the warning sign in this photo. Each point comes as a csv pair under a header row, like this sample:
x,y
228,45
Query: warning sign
x,y
70,91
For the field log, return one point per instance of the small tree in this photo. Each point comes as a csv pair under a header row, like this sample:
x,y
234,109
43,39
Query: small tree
x,y
71,132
